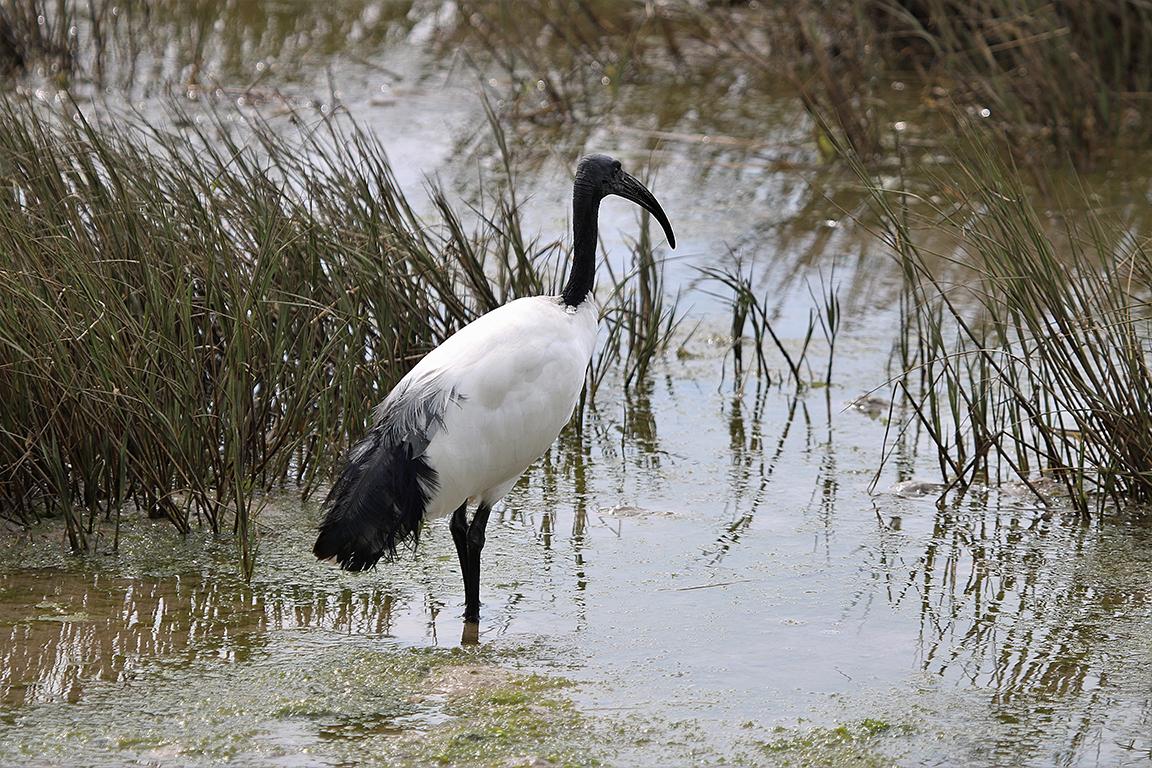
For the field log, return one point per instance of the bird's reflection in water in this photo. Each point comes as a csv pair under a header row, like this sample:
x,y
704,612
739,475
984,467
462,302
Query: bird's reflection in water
x,y
470,634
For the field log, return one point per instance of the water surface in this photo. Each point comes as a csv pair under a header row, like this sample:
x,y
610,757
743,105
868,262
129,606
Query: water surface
x,y
709,572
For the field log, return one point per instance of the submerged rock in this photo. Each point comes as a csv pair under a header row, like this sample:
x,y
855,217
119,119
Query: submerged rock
x,y
628,510
916,489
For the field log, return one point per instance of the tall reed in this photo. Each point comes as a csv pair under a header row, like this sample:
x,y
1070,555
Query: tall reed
x,y
748,307
1072,76
1024,350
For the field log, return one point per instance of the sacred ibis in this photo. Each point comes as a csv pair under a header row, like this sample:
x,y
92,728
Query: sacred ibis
x,y
463,425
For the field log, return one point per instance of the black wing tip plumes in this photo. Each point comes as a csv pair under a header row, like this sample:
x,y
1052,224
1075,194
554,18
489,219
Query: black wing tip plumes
x,y
379,499
376,505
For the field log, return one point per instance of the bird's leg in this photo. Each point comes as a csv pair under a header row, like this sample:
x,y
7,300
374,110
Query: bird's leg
x,y
475,543
459,528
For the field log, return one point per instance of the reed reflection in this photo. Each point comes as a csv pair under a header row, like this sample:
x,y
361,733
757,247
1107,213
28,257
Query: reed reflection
x,y
1043,613
62,631
752,466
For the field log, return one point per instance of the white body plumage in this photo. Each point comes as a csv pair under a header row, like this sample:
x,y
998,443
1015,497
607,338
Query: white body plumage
x,y
517,373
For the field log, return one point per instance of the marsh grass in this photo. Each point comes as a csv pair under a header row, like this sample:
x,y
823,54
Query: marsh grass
x,y
751,309
191,316
35,32
1070,79
641,318
1024,351
1074,77
563,61
210,47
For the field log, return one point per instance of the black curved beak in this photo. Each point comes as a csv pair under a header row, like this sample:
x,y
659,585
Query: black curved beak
x,y
630,188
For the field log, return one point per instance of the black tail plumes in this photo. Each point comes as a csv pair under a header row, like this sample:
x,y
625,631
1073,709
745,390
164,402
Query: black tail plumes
x,y
376,504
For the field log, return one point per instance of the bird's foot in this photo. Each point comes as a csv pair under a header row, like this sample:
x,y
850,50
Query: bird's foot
x,y
471,633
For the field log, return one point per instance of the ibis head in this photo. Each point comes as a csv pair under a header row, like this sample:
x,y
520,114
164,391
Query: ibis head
x,y
598,176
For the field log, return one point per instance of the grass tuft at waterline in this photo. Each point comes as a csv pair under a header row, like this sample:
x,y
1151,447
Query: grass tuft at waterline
x,y
1023,351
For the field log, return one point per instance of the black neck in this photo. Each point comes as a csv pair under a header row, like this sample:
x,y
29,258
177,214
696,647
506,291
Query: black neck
x,y
585,208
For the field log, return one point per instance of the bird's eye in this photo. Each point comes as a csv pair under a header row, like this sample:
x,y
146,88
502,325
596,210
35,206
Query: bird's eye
x,y
616,166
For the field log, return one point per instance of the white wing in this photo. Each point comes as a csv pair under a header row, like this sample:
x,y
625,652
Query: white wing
x,y
516,374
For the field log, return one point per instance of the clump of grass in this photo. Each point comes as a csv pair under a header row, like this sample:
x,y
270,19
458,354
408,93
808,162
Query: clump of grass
x,y
1024,352
857,744
1076,74
642,320
747,306
209,48
33,31
191,316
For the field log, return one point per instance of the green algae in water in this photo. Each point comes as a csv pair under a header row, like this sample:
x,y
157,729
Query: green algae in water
x,y
227,671
520,718
848,744
338,700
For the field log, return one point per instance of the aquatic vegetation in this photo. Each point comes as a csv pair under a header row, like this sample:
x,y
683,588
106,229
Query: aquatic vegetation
x,y
852,744
511,719
1024,350
201,48
1006,632
1074,76
747,306
387,706
1071,77
642,319
565,62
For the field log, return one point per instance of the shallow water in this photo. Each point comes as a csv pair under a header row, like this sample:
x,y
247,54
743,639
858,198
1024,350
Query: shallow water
x,y
704,575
